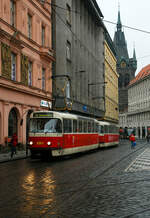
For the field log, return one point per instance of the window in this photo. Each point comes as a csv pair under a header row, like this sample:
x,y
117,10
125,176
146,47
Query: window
x,y
43,78
13,66
43,35
89,126
68,18
85,126
42,1
30,73
68,51
12,13
67,126
44,125
29,26
80,125
74,125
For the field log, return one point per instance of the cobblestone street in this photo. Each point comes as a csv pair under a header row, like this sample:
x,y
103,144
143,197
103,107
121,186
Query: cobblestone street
x,y
103,183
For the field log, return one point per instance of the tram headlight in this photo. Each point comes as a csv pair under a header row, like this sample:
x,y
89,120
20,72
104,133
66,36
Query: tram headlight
x,y
30,143
49,143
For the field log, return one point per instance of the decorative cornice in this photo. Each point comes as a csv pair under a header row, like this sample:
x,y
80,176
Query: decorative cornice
x,y
29,92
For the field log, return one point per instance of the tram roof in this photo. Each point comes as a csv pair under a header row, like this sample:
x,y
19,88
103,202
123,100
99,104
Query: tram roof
x,y
65,115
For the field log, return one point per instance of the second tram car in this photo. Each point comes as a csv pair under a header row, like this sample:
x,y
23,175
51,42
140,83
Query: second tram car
x,y
54,133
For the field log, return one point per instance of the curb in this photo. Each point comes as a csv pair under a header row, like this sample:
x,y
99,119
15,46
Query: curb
x,y
6,157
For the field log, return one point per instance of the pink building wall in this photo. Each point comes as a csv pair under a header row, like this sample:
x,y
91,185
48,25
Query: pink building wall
x,y
14,94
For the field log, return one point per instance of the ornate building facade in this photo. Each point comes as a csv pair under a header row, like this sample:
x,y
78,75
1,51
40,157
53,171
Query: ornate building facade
x,y
26,64
111,81
126,66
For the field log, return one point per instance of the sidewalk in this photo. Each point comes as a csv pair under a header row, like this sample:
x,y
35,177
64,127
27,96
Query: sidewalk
x,y
21,154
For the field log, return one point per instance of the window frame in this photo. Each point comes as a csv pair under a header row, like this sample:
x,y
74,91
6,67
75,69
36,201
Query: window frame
x,y
13,13
29,26
30,73
43,78
43,35
14,61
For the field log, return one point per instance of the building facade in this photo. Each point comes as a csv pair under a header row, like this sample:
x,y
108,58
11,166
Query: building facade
x,y
26,64
78,75
138,115
126,66
111,81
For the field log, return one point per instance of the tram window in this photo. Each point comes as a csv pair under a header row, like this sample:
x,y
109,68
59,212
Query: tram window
x,y
92,126
67,126
106,129
80,125
96,127
89,126
85,126
74,125
102,129
59,126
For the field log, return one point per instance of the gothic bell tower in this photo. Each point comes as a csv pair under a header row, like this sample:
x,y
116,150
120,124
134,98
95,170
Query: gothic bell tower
x,y
126,66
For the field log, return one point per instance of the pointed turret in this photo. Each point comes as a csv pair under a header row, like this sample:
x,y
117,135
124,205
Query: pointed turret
x,y
119,25
134,55
134,60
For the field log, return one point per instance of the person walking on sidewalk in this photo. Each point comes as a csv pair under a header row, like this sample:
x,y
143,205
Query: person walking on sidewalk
x,y
132,140
14,143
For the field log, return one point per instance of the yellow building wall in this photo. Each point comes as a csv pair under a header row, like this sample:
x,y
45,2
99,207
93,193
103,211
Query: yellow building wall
x,y
111,87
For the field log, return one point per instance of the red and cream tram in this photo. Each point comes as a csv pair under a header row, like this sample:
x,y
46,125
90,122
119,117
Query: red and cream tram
x,y
57,134
108,134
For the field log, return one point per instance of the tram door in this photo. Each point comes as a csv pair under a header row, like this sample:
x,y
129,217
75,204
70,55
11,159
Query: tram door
x,y
27,124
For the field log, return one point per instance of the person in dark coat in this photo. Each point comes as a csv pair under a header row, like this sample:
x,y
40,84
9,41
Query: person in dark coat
x,y
14,142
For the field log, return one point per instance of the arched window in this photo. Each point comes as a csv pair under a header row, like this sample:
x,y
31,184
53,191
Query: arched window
x,y
12,122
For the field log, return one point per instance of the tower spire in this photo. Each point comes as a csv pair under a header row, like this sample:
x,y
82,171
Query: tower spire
x,y
119,25
134,55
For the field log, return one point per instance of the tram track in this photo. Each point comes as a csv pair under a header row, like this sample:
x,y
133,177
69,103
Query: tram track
x,y
74,193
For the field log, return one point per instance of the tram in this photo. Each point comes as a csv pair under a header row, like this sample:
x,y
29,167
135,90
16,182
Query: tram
x,y
54,133
108,134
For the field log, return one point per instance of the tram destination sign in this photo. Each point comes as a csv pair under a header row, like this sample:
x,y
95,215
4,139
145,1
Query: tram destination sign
x,y
39,115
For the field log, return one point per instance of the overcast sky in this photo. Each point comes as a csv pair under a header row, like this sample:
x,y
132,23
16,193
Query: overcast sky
x,y
135,14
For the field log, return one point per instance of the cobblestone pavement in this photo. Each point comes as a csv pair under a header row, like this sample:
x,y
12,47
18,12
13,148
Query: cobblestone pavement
x,y
95,185
5,157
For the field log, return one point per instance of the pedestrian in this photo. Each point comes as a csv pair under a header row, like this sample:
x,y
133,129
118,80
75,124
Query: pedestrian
x,y
132,140
14,142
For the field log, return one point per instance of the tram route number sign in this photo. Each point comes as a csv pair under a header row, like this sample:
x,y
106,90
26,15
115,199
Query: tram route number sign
x,y
39,115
